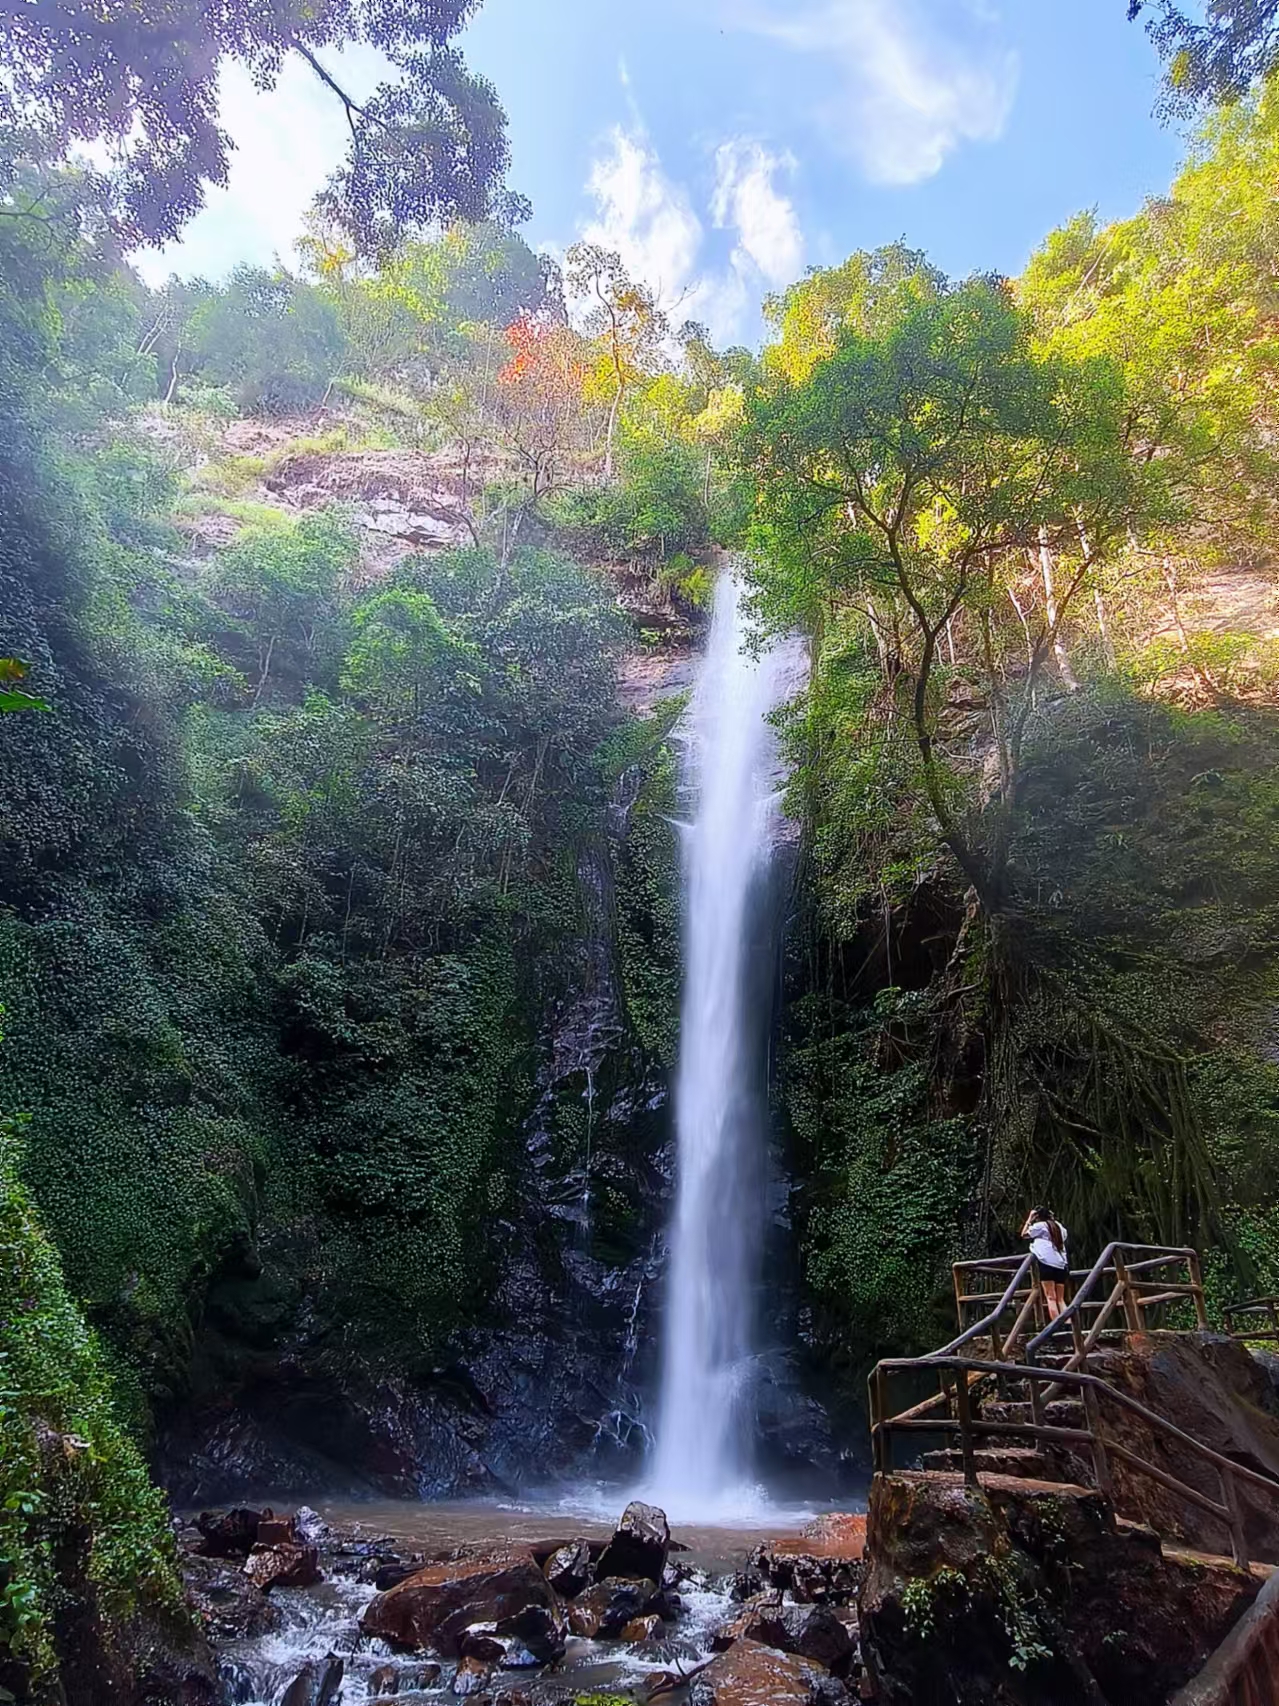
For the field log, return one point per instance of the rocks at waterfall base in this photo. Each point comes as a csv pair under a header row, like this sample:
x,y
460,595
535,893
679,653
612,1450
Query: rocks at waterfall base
x,y
640,1545
491,1615
436,1608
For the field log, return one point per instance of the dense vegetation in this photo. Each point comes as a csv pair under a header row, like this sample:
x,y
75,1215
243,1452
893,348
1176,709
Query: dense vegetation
x,y
1029,529
317,796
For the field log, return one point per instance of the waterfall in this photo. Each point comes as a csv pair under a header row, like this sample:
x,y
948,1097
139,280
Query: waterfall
x,y
702,1463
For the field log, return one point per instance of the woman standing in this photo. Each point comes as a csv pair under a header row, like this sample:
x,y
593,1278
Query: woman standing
x,y
1048,1246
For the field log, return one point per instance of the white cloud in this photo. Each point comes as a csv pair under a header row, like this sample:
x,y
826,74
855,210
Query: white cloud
x,y
920,76
644,215
287,144
748,200
650,220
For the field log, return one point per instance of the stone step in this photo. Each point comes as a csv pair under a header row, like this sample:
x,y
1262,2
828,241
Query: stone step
x,y
1021,1462
1060,1413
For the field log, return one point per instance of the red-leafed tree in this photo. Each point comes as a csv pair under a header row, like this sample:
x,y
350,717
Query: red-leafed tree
x,y
542,416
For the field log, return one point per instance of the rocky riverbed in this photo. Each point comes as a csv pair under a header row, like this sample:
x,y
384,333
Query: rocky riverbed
x,y
514,1609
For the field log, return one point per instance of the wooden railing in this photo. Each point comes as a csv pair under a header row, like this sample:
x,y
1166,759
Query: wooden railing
x,y
960,1375
1118,1294
1257,1318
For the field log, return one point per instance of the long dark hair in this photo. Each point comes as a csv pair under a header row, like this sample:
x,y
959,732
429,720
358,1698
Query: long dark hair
x,y
1054,1230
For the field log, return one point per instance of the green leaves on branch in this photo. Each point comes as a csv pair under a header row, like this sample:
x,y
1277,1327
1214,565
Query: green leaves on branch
x,y
12,697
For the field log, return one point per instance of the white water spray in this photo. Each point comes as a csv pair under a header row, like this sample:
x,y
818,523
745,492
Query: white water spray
x,y
702,1464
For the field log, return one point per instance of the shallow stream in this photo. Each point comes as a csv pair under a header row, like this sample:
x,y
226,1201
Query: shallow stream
x,y
317,1621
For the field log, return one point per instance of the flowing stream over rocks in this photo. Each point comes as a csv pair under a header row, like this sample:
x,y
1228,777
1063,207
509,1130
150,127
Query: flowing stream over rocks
x,y
517,1605
702,1464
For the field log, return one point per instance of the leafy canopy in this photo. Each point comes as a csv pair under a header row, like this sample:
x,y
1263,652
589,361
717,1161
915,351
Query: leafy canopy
x,y
428,144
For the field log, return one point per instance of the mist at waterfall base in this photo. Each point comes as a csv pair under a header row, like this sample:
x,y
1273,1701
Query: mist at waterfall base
x,y
702,1465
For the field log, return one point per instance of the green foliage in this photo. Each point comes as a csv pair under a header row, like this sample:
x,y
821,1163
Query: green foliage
x,y
888,1176
428,144
71,1480
12,698
647,861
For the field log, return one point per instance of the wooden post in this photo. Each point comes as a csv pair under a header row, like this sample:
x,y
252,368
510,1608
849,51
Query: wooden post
x,y
1100,1461
1132,1315
957,1276
1196,1280
1230,1498
879,1414
963,1409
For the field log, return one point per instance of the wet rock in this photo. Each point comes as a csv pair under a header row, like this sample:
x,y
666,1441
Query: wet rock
x,y
568,1569
1032,1590
387,1576
512,1697
311,1526
384,1680
751,1674
420,1677
603,1611
229,1534
287,1566
236,1683
808,1577
640,1545
536,1633
641,1628
472,1676
749,1583
659,1682
816,1632
318,1683
434,1608
759,1619
478,1644
277,1531
231,1607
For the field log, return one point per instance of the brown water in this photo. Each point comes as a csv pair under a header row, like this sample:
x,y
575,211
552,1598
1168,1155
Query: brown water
x,y
439,1527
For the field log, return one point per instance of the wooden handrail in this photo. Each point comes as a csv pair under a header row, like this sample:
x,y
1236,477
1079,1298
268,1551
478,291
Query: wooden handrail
x,y
991,1320
1268,1307
1115,1257
1091,1387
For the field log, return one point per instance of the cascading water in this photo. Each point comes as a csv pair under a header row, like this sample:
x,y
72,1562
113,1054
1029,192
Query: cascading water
x,y
702,1464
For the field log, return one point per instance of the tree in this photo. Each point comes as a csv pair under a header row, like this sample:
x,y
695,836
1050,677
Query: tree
x,y
903,479
142,80
541,415
624,315
1219,58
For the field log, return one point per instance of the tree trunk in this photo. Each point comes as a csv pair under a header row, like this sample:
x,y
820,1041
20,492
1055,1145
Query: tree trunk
x,y
1048,569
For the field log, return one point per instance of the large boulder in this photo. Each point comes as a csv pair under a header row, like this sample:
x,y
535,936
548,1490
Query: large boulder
x,y
1022,1593
568,1569
809,1631
286,1565
1214,1390
640,1545
751,1674
230,1534
603,1611
433,1609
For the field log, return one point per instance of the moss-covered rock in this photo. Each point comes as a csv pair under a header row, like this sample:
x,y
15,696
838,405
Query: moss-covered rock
x,y
91,1603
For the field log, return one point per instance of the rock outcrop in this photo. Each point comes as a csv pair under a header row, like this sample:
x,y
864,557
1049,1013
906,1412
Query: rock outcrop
x,y
1021,1593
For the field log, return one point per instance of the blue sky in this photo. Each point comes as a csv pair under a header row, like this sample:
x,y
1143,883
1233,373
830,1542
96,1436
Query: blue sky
x,y
725,145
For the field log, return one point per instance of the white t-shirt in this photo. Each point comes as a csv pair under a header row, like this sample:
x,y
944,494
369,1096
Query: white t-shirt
x,y
1042,1247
